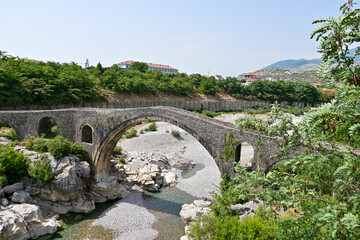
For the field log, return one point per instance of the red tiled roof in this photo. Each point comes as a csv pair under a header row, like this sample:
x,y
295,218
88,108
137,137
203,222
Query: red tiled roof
x,y
153,65
253,74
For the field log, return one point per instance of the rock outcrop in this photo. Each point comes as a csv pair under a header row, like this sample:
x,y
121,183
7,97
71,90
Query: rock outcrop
x,y
25,221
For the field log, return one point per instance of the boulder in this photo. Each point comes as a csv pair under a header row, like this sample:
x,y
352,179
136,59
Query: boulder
x,y
4,202
83,169
190,212
170,179
1,192
109,188
13,188
247,209
25,221
21,197
23,150
181,163
67,185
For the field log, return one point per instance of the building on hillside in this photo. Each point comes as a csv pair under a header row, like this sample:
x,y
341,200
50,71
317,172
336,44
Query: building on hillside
x,y
250,77
218,77
152,66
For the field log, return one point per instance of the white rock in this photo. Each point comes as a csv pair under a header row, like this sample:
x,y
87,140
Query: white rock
x,y
170,179
24,221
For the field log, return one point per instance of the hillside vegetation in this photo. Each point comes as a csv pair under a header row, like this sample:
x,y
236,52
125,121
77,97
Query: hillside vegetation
x,y
24,82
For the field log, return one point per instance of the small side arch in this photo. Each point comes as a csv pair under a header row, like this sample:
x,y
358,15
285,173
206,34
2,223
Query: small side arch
x,y
87,134
47,126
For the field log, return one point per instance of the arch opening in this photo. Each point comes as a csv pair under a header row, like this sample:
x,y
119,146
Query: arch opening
x,y
7,131
244,154
103,155
47,127
87,134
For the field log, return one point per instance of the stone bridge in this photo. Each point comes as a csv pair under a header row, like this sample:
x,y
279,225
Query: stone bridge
x,y
98,130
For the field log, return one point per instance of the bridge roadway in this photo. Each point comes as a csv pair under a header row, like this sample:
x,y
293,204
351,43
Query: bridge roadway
x,y
99,129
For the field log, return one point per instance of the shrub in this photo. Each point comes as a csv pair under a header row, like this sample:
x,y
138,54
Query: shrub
x,y
141,131
130,134
210,113
13,165
229,227
59,146
8,132
294,110
79,151
175,133
257,111
122,160
41,171
117,150
152,127
38,144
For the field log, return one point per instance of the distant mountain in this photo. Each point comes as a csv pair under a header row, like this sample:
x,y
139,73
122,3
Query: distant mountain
x,y
303,64
291,64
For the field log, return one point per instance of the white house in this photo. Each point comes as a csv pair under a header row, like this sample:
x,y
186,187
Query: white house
x,y
152,66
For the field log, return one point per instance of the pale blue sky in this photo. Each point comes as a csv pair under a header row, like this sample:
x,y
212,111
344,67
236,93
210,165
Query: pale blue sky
x,y
225,37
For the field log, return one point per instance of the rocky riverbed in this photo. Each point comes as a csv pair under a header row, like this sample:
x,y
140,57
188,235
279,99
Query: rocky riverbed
x,y
129,216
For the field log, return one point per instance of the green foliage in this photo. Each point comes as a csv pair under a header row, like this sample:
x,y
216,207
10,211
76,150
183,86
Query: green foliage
x,y
41,171
79,151
152,127
59,146
13,165
117,150
122,160
8,132
175,133
38,145
294,110
28,82
229,227
208,113
130,134
257,111
139,66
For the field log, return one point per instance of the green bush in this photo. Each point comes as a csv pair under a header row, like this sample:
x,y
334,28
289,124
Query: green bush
x,y
229,227
41,171
38,145
257,111
117,151
59,146
13,165
175,133
8,132
294,110
130,134
79,151
122,160
152,127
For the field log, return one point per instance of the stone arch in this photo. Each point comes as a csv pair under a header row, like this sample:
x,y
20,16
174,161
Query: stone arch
x,y
87,134
104,151
45,126
244,154
5,129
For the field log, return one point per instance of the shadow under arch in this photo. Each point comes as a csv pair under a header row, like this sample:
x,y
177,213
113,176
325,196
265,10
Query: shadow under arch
x,y
86,133
45,125
105,149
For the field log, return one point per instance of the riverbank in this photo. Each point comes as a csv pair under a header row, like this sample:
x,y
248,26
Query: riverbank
x,y
129,216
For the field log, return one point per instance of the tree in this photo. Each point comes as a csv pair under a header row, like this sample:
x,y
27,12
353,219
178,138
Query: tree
x,y
140,66
321,185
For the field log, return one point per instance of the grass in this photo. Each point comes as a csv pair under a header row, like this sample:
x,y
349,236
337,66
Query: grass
x,y
8,132
257,111
175,133
152,127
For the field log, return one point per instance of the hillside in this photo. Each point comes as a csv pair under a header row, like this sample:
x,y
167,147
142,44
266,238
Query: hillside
x,y
290,75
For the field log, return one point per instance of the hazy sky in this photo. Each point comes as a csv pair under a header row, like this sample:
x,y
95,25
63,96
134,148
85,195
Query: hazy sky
x,y
225,37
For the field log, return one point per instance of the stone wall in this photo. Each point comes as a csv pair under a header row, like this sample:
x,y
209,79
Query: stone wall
x,y
187,105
